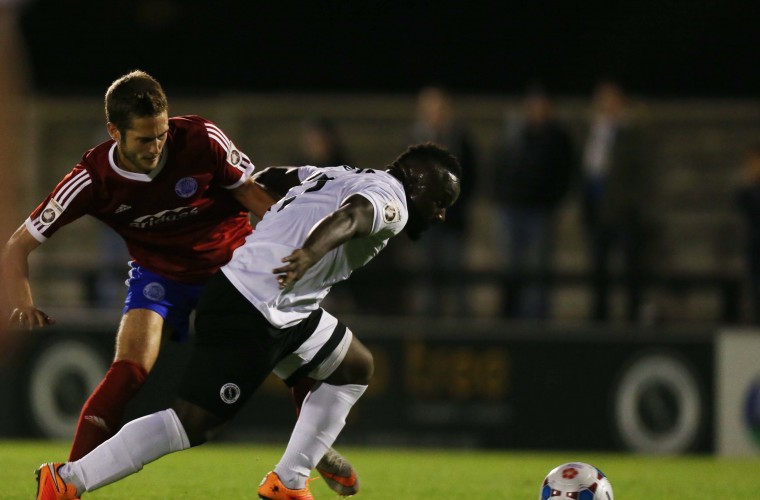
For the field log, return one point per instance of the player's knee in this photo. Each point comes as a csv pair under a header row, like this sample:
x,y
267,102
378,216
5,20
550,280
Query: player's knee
x,y
365,367
357,367
199,425
141,357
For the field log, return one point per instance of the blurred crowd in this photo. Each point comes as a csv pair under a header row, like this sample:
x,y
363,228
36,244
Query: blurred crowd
x,y
535,167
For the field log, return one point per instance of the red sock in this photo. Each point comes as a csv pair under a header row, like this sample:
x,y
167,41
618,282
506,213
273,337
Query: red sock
x,y
300,390
102,413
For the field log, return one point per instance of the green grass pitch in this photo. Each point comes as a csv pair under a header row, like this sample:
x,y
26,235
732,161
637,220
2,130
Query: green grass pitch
x,y
234,471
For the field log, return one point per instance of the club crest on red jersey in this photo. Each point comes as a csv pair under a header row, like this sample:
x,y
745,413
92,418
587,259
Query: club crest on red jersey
x,y
186,187
50,213
234,157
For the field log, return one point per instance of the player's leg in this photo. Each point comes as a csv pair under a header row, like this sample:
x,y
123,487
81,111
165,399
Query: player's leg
x,y
233,354
186,424
299,390
228,364
335,469
357,366
152,302
137,345
138,443
345,370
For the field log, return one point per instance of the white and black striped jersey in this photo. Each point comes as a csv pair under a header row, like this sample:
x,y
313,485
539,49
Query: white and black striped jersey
x,y
286,226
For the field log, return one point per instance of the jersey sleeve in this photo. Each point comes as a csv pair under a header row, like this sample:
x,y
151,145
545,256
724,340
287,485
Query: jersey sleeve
x,y
233,166
390,210
70,200
307,171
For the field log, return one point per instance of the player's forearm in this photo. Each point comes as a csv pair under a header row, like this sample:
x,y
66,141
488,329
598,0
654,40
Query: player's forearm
x,y
352,220
331,232
254,198
14,268
278,180
21,293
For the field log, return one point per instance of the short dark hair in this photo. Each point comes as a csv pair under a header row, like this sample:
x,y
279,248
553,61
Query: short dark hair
x,y
136,94
431,154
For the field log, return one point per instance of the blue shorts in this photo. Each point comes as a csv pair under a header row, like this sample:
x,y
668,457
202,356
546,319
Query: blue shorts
x,y
174,301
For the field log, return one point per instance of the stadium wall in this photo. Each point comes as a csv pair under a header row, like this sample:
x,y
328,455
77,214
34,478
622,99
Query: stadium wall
x,y
471,383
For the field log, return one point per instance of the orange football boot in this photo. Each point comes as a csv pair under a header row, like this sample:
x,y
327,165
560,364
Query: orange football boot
x,y
50,485
338,473
271,488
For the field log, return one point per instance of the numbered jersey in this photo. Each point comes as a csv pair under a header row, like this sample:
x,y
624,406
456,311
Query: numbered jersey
x,y
286,226
179,221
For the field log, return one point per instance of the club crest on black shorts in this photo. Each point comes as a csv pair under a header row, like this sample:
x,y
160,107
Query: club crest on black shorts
x,y
229,393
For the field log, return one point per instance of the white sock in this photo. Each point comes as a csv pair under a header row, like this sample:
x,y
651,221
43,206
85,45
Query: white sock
x,y
322,417
139,442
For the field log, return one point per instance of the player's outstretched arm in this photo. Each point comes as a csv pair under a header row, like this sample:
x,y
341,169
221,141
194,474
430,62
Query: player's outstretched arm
x,y
353,219
278,180
254,197
14,264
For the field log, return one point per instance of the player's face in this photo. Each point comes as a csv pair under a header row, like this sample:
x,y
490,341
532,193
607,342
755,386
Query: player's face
x,y
428,205
141,145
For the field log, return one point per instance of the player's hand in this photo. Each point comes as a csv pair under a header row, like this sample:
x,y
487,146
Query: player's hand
x,y
26,318
297,263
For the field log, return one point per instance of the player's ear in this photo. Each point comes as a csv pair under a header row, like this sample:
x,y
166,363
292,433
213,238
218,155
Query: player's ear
x,y
113,131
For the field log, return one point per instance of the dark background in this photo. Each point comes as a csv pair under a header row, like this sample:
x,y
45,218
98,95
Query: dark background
x,y
659,49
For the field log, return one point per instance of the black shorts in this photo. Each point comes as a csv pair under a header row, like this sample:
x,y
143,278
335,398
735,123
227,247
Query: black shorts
x,y
237,348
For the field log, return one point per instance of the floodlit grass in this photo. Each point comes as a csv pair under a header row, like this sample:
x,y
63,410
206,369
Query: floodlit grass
x,y
223,471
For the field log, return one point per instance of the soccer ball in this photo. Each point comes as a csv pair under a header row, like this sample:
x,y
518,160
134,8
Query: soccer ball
x,y
576,480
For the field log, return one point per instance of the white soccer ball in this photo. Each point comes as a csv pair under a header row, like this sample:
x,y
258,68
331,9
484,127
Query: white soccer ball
x,y
576,480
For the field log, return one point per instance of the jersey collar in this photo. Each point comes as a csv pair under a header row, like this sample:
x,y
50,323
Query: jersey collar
x,y
135,176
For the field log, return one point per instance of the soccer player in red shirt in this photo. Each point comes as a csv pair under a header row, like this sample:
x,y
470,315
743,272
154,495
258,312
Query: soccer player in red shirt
x,y
178,191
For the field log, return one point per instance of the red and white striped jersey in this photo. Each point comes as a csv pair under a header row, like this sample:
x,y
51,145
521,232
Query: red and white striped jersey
x,y
180,220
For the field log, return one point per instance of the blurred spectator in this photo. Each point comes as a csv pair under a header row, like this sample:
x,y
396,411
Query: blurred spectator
x,y
748,203
534,164
320,145
444,248
616,180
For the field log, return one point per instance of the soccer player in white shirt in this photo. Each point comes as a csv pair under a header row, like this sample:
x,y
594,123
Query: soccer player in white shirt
x,y
261,313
